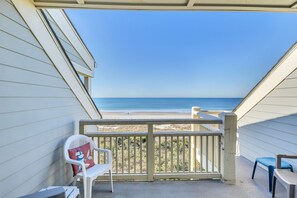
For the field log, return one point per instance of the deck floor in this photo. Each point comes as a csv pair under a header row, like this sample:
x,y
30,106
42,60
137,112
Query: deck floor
x,y
245,186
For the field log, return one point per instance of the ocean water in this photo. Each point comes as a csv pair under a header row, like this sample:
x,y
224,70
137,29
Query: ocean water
x,y
164,104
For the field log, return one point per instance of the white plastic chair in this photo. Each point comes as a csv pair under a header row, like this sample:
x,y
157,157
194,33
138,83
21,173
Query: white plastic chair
x,y
88,175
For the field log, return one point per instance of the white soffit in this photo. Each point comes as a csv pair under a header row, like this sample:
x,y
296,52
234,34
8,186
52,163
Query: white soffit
x,y
220,5
69,31
283,68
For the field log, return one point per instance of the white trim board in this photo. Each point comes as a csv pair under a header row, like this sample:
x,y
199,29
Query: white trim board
x,y
47,40
225,5
68,30
82,70
284,67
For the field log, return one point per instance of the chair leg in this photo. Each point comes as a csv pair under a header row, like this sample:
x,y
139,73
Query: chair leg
x,y
89,188
270,176
111,182
85,187
255,166
74,181
291,191
273,186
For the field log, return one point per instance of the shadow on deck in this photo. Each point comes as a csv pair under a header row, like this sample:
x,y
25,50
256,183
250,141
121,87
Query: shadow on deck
x,y
245,186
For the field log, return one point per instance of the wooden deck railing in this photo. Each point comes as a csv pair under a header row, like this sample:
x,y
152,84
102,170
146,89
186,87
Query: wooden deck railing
x,y
149,155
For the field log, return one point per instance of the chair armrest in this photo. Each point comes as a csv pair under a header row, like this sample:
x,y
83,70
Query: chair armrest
x,y
78,163
109,154
75,162
280,156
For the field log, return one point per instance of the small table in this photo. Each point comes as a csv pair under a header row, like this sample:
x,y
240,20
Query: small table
x,y
71,191
270,163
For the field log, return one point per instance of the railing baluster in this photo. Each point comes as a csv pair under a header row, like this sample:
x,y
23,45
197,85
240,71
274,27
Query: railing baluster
x,y
206,155
150,153
129,167
171,152
159,154
93,153
177,153
104,143
201,154
213,153
189,154
219,161
117,156
134,154
184,150
98,142
195,153
140,140
166,154
122,155
110,142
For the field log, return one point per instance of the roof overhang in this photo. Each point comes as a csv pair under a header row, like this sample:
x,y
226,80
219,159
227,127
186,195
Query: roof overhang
x,y
65,25
282,69
207,5
45,36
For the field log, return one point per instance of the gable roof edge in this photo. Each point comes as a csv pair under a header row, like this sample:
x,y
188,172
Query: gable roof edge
x,y
66,26
284,67
47,40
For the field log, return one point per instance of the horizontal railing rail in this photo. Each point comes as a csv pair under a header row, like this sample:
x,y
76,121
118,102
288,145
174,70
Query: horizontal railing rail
x,y
187,133
213,120
207,116
208,127
158,133
115,134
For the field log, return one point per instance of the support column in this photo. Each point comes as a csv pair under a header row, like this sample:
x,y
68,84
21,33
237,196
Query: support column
x,y
195,111
228,147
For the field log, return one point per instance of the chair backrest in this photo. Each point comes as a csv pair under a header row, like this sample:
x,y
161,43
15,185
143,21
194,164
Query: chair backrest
x,y
76,141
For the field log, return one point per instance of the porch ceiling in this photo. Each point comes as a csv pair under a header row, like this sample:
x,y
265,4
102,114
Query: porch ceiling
x,y
211,5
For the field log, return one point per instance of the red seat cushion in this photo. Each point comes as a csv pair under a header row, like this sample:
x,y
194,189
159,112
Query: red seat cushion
x,y
84,154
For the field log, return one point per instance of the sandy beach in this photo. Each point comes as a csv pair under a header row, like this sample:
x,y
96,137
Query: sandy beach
x,y
145,115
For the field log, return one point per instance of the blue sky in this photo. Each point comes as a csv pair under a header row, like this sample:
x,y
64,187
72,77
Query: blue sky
x,y
182,54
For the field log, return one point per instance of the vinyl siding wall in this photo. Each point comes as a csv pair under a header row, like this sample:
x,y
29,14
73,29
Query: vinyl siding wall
x,y
270,127
38,111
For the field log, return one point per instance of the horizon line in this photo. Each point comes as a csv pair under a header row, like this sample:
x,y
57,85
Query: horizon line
x,y
175,97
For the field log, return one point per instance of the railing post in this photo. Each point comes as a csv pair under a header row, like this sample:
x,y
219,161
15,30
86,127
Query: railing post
x,y
81,128
228,148
194,115
150,153
194,127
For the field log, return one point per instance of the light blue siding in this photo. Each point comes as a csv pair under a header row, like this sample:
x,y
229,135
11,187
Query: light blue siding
x,y
270,127
38,111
